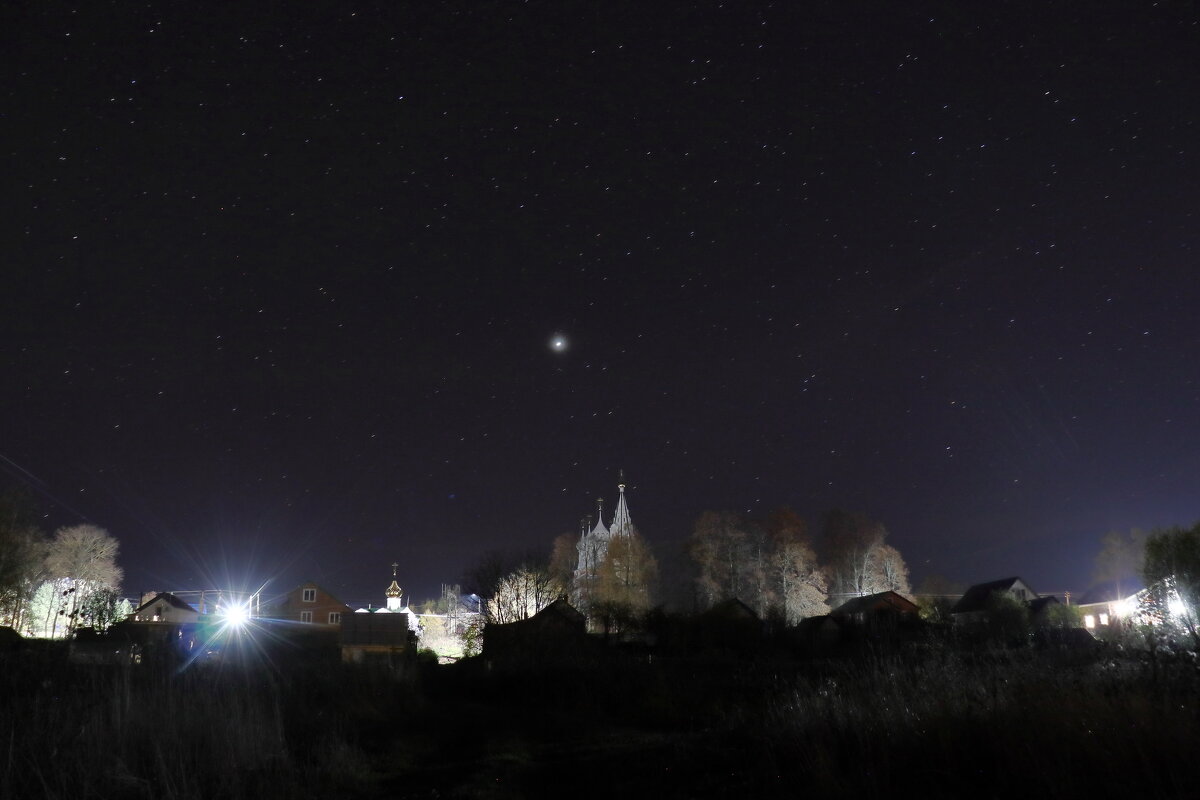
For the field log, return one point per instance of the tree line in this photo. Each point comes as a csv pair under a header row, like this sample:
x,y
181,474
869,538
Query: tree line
x,y
774,565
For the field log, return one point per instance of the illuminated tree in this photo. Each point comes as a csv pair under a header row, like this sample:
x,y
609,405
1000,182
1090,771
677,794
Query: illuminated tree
x,y
860,562
102,608
803,590
624,582
796,585
82,559
521,594
891,571
22,556
563,557
1172,574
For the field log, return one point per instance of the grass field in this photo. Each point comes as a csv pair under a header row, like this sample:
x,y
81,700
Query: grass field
x,y
937,722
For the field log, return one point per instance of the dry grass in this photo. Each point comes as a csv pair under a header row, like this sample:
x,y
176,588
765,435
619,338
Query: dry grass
x,y
941,723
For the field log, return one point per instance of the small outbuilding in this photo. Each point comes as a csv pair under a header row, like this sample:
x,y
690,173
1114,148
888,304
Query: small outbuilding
x,y
555,635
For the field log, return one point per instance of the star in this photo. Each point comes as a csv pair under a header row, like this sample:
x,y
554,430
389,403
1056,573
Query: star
x,y
558,343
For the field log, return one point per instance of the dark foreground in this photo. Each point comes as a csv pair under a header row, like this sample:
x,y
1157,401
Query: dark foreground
x,y
934,722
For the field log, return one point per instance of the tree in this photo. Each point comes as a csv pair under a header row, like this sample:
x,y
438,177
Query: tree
x,y
102,608
935,597
858,559
769,565
1172,574
563,556
1007,620
799,587
720,549
522,593
891,571
623,588
22,557
803,589
82,559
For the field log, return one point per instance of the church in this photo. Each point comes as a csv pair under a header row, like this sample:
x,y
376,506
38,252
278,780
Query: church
x,y
593,545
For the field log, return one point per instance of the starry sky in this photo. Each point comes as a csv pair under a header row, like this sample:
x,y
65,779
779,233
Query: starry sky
x,y
282,284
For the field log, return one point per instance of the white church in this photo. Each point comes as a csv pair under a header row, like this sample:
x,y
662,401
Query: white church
x,y
593,545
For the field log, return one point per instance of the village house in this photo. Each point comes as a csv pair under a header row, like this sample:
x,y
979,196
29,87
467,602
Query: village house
x,y
164,607
1106,605
307,603
973,605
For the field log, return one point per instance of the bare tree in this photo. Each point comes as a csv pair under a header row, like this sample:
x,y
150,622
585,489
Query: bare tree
x,y
803,589
522,593
82,559
719,548
858,559
798,585
891,571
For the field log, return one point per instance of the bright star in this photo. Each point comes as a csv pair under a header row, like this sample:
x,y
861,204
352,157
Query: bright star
x,y
558,343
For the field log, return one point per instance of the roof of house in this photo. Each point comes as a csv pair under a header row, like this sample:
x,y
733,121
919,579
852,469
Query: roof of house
x,y
730,609
169,599
976,597
563,609
880,601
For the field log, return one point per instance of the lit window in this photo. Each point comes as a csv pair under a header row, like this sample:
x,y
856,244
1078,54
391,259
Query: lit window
x,y
1104,619
310,595
1089,621
306,616
335,617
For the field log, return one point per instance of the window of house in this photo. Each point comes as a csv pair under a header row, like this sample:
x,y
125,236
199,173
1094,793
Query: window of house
x,y
1089,621
335,617
310,596
306,616
1104,619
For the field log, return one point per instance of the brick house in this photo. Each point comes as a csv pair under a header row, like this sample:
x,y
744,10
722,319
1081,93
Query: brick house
x,y
307,603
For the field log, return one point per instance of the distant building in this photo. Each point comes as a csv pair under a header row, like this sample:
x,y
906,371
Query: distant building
x,y
882,608
1106,605
972,606
164,607
307,603
386,635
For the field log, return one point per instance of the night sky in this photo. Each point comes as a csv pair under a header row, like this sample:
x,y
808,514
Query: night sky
x,y
281,284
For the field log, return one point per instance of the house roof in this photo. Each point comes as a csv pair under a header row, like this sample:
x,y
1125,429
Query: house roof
x,y
166,597
730,609
561,608
881,601
977,596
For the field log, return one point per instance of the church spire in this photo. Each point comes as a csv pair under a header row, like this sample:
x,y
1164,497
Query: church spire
x,y
394,592
622,524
